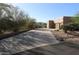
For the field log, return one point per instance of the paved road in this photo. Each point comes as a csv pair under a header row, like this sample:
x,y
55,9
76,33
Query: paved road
x,y
26,41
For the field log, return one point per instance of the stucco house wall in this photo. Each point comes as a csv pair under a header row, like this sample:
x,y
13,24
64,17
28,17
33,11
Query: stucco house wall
x,y
62,21
58,22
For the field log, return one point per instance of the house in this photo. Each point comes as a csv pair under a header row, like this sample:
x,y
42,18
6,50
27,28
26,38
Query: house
x,y
58,22
50,24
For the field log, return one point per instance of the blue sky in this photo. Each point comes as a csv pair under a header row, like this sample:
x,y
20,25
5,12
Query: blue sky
x,y
43,12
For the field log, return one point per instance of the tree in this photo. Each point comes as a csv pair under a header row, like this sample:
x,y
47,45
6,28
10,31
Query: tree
x,y
75,19
31,23
4,9
41,25
14,19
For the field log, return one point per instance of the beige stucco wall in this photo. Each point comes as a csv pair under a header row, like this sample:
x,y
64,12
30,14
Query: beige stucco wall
x,y
62,21
58,22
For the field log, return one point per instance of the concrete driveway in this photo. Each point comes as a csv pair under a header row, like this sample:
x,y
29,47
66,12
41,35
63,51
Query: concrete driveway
x,y
26,41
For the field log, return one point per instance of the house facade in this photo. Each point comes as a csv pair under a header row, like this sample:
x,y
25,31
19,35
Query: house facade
x,y
59,22
50,24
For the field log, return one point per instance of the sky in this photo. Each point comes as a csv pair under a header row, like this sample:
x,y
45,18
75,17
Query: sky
x,y
43,12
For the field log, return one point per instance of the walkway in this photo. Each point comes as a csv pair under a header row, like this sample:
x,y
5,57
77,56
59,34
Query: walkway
x,y
26,41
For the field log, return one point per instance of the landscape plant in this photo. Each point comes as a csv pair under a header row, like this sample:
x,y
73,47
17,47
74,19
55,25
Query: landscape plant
x,y
14,19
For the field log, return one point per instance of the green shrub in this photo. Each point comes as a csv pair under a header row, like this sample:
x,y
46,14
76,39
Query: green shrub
x,y
70,27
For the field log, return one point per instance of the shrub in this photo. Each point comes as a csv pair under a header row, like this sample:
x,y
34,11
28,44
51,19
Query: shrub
x,y
70,27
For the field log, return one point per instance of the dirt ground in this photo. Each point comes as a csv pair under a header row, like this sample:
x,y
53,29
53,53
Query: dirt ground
x,y
60,35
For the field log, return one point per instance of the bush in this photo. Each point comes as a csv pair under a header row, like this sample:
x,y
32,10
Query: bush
x,y
70,27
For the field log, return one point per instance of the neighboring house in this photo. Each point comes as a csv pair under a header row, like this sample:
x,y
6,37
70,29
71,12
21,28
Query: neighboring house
x,y
50,24
59,22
